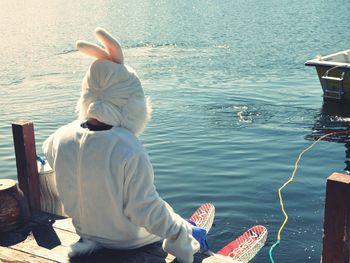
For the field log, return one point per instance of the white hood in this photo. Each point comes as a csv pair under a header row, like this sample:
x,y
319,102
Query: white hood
x,y
112,93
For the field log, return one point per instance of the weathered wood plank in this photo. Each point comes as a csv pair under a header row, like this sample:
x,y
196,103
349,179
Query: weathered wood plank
x,y
43,241
50,243
64,224
47,242
57,253
212,259
63,237
27,170
9,255
170,258
152,254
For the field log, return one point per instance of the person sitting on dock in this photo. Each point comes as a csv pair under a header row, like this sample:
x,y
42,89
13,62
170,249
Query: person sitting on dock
x,y
103,173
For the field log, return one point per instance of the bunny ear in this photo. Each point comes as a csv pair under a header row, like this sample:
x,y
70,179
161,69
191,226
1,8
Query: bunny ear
x,y
92,50
111,44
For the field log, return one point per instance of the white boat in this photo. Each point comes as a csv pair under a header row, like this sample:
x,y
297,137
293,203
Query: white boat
x,y
334,73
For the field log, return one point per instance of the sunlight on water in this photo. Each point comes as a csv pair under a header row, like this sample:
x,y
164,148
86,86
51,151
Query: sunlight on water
x,y
233,102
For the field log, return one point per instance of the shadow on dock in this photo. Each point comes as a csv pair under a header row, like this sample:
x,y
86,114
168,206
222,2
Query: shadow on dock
x,y
47,237
41,227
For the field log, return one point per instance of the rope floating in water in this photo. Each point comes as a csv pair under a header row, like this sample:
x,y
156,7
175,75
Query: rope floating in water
x,y
296,166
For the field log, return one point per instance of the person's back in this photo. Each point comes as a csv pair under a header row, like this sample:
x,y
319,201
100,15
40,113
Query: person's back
x,y
92,179
103,173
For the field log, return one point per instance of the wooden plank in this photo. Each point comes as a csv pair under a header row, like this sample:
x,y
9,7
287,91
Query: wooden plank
x,y
64,224
199,257
9,255
67,238
142,256
170,258
48,246
212,259
30,246
27,170
336,239
30,249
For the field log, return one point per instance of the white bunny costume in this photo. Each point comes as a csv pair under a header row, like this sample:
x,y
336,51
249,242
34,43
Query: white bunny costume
x,y
105,178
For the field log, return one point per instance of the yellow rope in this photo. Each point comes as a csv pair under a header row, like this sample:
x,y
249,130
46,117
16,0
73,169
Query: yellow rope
x,y
291,180
296,166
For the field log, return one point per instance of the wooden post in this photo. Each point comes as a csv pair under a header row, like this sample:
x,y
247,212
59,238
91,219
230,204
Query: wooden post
x,y
27,170
336,239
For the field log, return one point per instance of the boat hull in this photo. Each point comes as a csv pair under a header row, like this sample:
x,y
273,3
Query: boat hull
x,y
334,74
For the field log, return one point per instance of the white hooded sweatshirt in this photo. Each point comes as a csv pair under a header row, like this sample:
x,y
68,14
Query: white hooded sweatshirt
x,y
104,178
106,183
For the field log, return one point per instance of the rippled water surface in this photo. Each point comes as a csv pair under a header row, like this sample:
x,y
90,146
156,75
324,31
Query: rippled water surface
x,y
233,102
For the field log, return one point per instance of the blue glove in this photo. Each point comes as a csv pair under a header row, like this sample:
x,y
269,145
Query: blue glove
x,y
200,234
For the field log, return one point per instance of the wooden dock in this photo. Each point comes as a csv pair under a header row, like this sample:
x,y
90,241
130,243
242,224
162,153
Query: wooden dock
x,y
46,238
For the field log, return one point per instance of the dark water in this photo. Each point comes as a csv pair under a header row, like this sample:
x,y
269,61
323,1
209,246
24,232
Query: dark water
x,y
233,102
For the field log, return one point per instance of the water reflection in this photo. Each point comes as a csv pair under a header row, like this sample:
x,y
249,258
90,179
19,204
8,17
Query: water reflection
x,y
334,118
347,156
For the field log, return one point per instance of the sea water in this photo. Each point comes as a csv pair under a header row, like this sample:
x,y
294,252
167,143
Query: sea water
x,y
233,102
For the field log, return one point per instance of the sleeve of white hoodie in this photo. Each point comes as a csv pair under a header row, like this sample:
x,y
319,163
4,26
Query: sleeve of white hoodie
x,y
145,208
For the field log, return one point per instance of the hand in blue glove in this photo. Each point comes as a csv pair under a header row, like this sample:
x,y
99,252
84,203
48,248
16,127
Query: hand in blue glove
x,y
200,234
